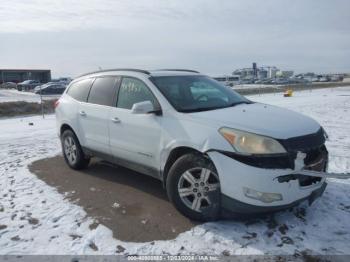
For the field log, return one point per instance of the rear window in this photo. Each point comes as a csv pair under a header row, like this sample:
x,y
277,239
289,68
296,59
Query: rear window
x,y
80,89
103,91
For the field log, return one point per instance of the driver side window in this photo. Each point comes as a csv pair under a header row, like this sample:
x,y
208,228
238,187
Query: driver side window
x,y
133,91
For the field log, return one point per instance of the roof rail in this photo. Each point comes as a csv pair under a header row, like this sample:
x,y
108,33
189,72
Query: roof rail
x,y
117,69
181,70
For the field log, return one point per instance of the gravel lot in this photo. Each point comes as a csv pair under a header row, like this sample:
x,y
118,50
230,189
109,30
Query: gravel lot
x,y
133,206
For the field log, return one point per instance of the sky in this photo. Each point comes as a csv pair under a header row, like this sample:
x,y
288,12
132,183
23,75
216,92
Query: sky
x,y
214,37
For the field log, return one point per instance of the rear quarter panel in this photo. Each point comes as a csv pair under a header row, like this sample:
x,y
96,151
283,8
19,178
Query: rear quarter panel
x,y
67,113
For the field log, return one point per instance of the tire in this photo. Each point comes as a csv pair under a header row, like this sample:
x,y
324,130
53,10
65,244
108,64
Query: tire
x,y
197,197
72,151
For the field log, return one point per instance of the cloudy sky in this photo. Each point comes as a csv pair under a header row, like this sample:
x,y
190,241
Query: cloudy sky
x,y
215,37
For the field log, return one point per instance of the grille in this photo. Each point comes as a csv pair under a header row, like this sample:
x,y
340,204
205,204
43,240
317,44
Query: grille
x,y
316,159
304,143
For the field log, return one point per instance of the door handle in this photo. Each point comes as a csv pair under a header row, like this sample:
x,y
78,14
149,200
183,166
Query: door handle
x,y
115,120
82,113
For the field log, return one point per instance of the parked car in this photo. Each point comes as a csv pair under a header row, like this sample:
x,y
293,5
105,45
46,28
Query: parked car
x,y
213,149
65,80
50,89
37,88
62,80
8,85
27,85
281,81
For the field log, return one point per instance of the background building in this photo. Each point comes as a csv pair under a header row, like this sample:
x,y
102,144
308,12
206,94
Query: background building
x,y
228,80
19,75
261,73
284,74
272,71
245,73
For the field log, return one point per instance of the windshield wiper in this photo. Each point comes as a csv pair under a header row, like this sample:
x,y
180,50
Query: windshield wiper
x,y
200,109
238,103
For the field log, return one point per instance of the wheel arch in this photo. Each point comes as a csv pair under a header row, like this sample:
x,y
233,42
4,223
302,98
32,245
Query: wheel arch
x,y
65,127
174,155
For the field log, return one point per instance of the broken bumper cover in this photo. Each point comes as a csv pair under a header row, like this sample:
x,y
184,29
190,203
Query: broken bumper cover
x,y
238,180
239,207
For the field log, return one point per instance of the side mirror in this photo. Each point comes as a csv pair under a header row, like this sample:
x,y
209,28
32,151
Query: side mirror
x,y
142,108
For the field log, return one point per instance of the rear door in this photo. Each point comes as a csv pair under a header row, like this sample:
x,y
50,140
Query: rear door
x,y
94,113
135,138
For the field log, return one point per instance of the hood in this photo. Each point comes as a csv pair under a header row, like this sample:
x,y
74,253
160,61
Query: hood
x,y
262,119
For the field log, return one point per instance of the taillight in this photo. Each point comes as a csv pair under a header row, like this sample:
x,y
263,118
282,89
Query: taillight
x,y
57,102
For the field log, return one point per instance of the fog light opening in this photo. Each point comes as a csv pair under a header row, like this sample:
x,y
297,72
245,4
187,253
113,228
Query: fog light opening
x,y
262,196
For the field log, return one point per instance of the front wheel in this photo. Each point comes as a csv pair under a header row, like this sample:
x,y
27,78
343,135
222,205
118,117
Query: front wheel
x,y
72,151
193,186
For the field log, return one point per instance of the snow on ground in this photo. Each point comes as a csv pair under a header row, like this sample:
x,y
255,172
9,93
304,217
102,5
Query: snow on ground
x,y
36,219
255,86
10,95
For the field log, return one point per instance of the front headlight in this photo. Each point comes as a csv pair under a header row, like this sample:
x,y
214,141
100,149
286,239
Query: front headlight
x,y
249,143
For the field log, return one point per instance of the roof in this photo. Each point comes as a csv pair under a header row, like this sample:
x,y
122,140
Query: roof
x,y
170,72
158,72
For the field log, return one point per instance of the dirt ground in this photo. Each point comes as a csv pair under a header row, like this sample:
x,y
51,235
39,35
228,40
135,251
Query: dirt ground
x,y
134,206
8,109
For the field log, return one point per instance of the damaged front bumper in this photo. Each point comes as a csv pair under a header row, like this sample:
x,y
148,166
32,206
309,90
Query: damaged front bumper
x,y
239,207
251,188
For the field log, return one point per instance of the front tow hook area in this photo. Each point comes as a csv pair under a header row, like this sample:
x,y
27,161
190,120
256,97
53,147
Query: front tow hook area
x,y
321,174
300,169
310,177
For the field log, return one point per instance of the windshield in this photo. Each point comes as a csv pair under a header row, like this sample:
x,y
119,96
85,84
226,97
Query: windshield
x,y
196,93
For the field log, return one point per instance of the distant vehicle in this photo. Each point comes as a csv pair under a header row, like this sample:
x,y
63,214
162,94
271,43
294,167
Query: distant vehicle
x,y
228,80
43,86
65,80
247,81
8,85
281,81
336,78
46,84
323,79
263,81
27,85
62,80
301,81
50,89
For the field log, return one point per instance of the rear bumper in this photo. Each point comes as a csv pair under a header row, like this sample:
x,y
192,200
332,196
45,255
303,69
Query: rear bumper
x,y
238,207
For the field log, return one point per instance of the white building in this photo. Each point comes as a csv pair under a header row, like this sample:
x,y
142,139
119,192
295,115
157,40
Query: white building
x,y
271,71
228,80
284,74
263,72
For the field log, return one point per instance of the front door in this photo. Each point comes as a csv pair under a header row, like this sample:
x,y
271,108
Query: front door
x,y
135,138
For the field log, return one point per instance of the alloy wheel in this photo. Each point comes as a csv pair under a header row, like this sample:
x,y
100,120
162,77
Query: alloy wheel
x,y
195,187
70,149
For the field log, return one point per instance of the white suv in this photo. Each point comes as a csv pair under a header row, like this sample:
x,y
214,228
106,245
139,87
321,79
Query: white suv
x,y
213,149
